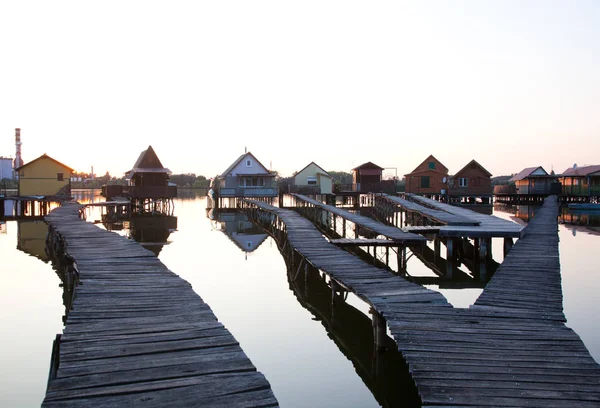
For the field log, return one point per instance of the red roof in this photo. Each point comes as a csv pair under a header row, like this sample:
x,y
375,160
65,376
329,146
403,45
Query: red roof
x,y
580,171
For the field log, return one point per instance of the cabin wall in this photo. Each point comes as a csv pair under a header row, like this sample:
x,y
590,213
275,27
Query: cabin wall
x,y
42,178
326,184
478,183
415,183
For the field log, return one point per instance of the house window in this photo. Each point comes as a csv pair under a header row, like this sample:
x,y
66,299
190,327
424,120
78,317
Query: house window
x,y
311,180
432,165
463,182
425,182
59,176
22,174
248,163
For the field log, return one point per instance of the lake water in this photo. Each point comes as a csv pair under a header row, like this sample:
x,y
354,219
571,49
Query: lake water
x,y
313,354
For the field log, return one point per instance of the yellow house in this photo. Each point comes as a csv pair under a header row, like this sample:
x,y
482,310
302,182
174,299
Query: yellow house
x,y
314,176
44,176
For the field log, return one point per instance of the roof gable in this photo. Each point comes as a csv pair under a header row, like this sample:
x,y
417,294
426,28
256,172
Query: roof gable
x,y
473,164
323,172
239,160
368,165
147,162
45,156
425,165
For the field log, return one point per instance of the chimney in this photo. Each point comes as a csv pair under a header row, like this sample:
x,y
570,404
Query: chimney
x,y
18,159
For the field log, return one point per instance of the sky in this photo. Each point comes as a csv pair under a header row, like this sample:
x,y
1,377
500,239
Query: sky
x,y
511,84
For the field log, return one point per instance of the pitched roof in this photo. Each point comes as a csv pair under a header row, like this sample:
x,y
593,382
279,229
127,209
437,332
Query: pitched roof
x,y
523,174
45,156
581,171
428,159
148,162
478,165
238,161
368,165
323,172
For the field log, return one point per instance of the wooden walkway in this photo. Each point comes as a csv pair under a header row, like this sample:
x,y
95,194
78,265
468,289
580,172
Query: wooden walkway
x,y
387,231
138,335
481,225
511,349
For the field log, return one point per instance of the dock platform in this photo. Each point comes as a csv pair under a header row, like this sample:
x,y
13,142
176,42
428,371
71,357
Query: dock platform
x,y
392,233
138,335
510,349
472,224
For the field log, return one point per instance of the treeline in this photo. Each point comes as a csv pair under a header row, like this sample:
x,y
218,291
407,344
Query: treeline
x,y
87,180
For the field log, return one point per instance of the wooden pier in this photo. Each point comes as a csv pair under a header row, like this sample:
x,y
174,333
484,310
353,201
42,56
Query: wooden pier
x,y
510,349
137,334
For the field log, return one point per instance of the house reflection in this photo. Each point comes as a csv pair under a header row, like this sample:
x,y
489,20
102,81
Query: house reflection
x,y
152,230
585,220
31,238
246,235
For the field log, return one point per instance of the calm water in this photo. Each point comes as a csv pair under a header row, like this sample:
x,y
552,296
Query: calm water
x,y
289,330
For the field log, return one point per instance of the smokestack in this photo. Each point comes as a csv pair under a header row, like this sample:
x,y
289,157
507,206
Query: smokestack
x,y
18,159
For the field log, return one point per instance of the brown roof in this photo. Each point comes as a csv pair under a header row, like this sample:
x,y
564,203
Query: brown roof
x,y
523,174
368,165
428,159
581,171
45,156
478,165
148,162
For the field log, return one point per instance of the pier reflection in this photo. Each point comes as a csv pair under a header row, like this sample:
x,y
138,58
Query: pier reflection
x,y
150,229
384,373
246,235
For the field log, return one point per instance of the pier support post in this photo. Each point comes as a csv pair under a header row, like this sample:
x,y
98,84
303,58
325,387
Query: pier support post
x,y
436,248
508,244
379,330
450,255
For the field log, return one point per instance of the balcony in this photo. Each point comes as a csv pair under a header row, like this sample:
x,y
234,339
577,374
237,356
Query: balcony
x,y
110,191
248,192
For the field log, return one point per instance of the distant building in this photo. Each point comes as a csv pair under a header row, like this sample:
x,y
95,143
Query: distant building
x,y
470,183
44,176
313,178
247,177
535,181
6,168
428,178
581,181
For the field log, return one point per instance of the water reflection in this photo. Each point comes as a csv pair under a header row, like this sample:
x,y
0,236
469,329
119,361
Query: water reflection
x,y
384,373
246,235
152,230
31,238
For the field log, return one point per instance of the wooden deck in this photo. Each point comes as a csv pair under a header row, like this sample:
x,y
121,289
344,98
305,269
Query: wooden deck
x,y
481,225
387,231
511,349
138,335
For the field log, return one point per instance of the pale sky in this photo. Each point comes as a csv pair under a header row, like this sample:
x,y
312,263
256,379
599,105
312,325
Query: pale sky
x,y
511,84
